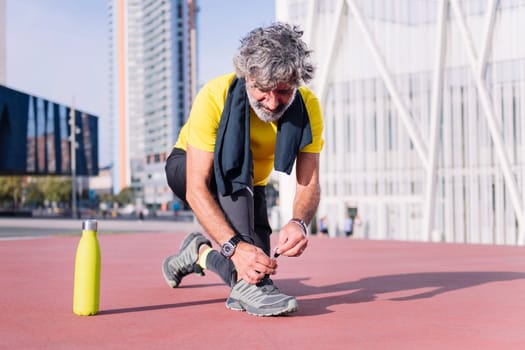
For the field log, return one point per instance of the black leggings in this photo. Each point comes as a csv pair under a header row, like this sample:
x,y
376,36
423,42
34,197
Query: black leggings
x,y
246,214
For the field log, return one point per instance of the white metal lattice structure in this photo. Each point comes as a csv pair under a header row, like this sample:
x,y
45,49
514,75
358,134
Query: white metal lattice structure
x,y
424,105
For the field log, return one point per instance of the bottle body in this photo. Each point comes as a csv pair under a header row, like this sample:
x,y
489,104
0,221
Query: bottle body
x,y
86,293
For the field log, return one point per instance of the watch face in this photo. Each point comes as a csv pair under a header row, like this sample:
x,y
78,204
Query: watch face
x,y
227,249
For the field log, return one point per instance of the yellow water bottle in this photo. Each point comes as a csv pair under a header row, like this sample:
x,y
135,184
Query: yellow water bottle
x,y
87,271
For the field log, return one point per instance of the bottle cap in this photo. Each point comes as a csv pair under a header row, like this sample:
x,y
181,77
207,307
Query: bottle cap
x,y
90,225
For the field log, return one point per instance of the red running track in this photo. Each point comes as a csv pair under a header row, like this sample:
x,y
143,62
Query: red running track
x,y
353,294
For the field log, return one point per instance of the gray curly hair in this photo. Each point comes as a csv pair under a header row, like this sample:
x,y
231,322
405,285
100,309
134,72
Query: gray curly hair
x,y
274,55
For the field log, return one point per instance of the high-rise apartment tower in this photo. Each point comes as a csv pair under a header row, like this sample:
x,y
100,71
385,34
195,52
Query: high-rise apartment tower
x,y
153,73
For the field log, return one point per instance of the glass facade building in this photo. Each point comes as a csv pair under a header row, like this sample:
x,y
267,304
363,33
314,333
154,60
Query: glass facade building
x,y
424,104
35,137
152,45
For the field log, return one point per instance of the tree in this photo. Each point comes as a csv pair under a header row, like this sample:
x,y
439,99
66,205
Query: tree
x,y
34,194
126,196
56,189
106,198
11,191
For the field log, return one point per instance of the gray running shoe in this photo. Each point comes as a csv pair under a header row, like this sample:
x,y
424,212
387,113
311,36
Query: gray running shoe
x,y
261,299
176,266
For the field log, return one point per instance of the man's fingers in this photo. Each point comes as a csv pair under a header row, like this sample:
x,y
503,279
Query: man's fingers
x,y
292,249
253,276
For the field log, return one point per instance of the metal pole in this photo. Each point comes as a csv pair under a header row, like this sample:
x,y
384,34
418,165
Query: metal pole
x,y
310,17
490,16
73,138
332,49
435,118
390,84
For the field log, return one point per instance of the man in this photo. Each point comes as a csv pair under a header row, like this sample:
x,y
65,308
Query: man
x,y
242,126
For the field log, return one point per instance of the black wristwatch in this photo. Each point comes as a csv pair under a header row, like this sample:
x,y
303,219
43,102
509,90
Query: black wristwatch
x,y
228,248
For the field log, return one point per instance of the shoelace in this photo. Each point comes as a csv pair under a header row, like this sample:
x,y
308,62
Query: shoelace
x,y
267,286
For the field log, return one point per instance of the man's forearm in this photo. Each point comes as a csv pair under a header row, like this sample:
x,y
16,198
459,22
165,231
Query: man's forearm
x,y
209,215
306,201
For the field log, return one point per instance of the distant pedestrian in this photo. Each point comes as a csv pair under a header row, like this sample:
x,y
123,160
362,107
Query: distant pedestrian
x,y
176,208
348,226
323,226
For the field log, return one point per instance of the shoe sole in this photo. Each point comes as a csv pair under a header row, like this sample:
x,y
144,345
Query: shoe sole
x,y
165,266
237,305
165,272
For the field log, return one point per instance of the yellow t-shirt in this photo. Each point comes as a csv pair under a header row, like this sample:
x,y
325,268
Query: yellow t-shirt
x,y
200,130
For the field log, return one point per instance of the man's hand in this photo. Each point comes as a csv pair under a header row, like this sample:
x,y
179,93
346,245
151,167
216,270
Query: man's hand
x,y
251,263
292,241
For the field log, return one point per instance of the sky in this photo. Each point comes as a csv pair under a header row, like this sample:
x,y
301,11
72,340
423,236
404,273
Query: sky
x,y
58,49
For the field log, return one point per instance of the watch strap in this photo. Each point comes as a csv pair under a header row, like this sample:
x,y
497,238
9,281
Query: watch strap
x,y
235,240
302,224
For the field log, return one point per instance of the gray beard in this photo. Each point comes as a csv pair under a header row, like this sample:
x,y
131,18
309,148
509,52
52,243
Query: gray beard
x,y
265,116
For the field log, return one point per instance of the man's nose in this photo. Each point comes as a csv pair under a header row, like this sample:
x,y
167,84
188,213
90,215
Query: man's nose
x,y
272,101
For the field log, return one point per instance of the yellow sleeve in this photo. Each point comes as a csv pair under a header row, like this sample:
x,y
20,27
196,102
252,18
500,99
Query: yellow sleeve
x,y
316,120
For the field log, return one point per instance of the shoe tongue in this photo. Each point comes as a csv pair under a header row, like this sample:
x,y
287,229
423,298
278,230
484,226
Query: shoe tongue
x,y
266,281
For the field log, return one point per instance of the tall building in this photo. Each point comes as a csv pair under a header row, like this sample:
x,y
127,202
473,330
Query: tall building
x,y
36,137
153,70
424,104
3,69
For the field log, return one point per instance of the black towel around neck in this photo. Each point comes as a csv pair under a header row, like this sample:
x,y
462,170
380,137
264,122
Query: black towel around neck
x,y
233,161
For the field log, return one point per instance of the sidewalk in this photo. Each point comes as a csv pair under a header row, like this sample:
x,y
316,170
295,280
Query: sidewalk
x,y
353,294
